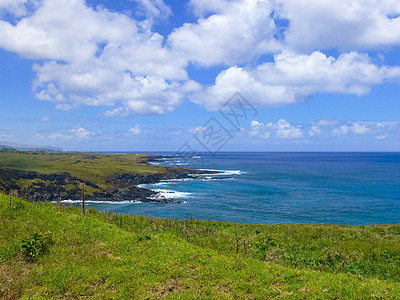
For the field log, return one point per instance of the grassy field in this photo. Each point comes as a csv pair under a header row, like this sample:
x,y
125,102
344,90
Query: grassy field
x,y
107,256
67,170
94,167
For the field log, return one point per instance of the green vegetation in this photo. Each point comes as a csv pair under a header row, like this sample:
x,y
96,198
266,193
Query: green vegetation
x,y
93,167
36,245
41,176
105,255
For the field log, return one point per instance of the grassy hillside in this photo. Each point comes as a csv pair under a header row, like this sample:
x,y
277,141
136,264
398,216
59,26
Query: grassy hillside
x,y
39,175
105,256
93,167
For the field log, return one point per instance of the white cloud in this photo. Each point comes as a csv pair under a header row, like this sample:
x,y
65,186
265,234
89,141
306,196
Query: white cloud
x,y
342,130
354,128
45,119
75,134
317,127
15,7
324,130
315,130
258,130
343,24
292,78
284,130
203,7
155,9
360,128
97,57
135,130
239,32
92,56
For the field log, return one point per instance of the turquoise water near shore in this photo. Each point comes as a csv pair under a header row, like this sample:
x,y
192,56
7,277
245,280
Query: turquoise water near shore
x,y
337,188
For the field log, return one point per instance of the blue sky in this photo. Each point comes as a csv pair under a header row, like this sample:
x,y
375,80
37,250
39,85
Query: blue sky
x,y
148,75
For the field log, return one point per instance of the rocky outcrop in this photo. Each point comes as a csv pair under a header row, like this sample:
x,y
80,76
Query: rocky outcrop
x,y
119,186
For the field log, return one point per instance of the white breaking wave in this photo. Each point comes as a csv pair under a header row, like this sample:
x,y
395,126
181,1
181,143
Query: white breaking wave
x,y
163,193
173,181
223,172
169,194
100,202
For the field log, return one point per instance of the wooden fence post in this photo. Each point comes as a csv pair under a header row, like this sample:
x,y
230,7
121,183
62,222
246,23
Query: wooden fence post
x,y
83,187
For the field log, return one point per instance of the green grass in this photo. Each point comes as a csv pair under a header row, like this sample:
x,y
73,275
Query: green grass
x,y
94,167
107,256
85,167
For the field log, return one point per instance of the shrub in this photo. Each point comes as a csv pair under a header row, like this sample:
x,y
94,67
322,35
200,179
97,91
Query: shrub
x,y
17,205
263,245
36,245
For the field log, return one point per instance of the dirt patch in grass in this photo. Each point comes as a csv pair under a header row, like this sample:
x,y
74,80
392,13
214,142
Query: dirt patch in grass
x,y
11,278
171,286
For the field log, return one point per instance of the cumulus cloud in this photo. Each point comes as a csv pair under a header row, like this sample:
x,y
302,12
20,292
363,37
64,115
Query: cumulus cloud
x,y
317,127
282,129
154,9
97,57
238,32
355,128
79,133
203,7
324,130
258,129
342,24
381,130
135,130
15,7
93,56
292,78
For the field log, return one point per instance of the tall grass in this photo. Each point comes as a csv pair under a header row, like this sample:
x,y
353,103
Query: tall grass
x,y
105,255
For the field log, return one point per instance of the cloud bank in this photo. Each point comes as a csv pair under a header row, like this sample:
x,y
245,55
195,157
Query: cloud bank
x,y
323,129
274,52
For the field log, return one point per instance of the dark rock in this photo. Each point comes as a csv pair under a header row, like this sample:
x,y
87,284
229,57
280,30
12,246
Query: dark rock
x,y
120,186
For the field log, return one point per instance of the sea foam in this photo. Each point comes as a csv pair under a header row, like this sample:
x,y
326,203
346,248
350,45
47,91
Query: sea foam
x,y
100,202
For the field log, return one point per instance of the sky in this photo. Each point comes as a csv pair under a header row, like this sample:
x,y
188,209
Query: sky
x,y
201,75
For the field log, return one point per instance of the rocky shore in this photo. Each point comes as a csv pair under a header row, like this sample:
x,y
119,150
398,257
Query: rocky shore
x,y
36,186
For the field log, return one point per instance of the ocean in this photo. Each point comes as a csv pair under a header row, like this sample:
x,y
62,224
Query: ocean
x,y
271,187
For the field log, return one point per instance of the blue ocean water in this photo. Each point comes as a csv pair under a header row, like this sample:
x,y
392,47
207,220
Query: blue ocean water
x,y
336,188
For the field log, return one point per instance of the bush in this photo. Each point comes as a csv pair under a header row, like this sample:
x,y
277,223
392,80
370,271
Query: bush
x,y
263,245
36,245
17,205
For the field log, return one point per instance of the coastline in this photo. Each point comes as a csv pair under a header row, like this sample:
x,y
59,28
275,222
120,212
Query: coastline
x,y
129,184
115,187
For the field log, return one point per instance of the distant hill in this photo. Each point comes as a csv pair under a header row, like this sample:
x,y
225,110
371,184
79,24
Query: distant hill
x,y
6,145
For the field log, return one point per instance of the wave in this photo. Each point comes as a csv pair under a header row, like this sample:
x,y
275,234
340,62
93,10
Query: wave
x,y
100,202
169,194
172,181
223,172
164,193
